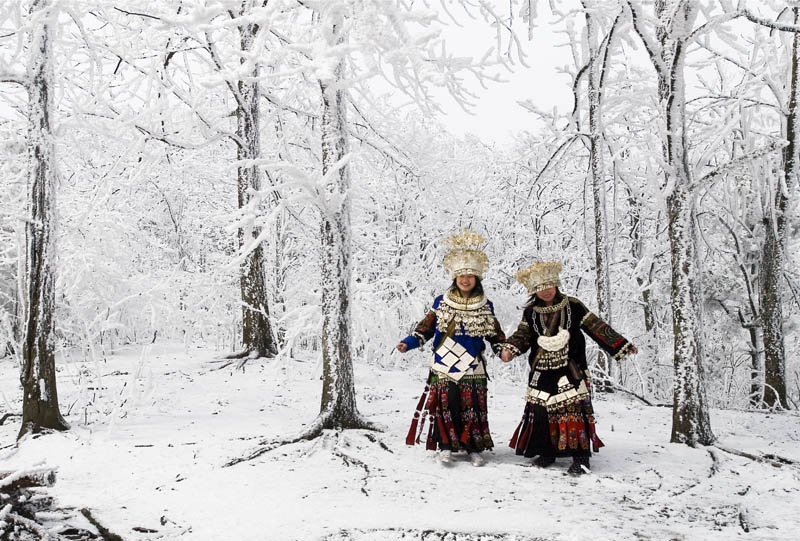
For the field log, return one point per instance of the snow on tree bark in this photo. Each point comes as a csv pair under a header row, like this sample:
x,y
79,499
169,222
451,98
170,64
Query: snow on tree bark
x,y
338,407
38,374
602,278
257,334
773,253
690,420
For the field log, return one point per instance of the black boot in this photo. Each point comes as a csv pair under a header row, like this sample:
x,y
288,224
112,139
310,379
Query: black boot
x,y
578,465
543,461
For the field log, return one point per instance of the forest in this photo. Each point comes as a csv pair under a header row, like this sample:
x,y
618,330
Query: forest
x,y
218,217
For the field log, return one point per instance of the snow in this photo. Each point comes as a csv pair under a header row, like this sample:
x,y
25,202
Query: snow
x,y
159,463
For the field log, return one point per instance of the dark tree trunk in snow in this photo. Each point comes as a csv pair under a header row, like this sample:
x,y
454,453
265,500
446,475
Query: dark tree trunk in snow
x,y
690,421
257,335
338,407
773,254
38,374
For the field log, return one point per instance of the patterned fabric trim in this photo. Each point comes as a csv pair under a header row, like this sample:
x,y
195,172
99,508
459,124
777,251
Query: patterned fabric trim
x,y
509,347
603,332
624,352
479,379
567,395
420,337
552,360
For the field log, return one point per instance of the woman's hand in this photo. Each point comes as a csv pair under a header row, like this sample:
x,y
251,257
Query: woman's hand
x,y
402,347
506,355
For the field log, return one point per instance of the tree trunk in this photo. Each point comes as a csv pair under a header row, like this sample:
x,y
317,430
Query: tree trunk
x,y
338,408
638,253
38,374
257,335
773,254
602,280
690,421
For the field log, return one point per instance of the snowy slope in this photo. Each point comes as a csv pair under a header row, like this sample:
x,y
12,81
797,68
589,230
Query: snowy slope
x,y
158,463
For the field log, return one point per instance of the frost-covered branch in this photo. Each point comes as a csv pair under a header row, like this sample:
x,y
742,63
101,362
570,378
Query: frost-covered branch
x,y
650,46
11,77
742,160
768,23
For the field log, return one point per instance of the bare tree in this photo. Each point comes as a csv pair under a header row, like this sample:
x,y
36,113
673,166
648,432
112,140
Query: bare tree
x,y
773,253
674,20
38,375
595,69
338,408
257,337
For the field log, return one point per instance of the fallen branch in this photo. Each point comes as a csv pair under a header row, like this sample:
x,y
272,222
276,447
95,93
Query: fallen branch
x,y
769,458
31,526
104,532
744,522
41,477
617,387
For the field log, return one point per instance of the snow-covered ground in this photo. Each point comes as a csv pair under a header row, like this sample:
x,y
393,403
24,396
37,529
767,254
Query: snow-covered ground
x,y
158,463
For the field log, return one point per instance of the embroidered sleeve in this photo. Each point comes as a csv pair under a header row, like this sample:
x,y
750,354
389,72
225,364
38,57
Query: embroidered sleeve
x,y
423,331
496,340
607,338
519,342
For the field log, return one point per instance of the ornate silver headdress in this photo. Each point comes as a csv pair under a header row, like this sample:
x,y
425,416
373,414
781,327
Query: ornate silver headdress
x,y
465,254
541,275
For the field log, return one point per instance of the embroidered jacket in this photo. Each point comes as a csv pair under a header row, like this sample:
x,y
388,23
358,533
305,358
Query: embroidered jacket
x,y
473,321
579,318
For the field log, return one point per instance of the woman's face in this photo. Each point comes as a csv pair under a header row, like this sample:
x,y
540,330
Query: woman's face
x,y
465,283
547,295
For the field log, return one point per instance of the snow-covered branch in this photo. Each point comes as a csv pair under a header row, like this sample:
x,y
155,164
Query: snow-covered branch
x,y
774,25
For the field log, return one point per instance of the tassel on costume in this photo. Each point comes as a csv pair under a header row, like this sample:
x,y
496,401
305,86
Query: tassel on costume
x,y
513,442
412,431
526,435
430,445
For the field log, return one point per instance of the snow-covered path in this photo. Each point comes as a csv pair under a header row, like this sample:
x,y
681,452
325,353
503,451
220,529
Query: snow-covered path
x,y
159,465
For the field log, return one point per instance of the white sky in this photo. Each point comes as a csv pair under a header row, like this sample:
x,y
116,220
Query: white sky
x,y
497,114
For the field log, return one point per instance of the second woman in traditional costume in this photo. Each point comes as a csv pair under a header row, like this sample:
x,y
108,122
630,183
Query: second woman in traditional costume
x,y
558,419
459,321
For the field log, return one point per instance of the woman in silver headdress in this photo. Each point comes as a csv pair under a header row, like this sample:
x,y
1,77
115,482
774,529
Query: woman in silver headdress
x,y
459,321
558,419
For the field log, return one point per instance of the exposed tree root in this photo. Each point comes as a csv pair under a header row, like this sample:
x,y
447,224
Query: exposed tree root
x,y
324,421
714,463
373,439
241,358
7,416
712,471
350,460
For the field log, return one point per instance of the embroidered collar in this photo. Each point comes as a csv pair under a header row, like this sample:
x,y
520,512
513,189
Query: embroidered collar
x,y
552,308
452,299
